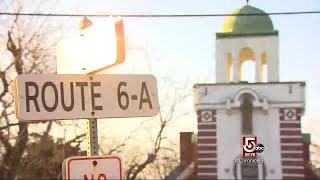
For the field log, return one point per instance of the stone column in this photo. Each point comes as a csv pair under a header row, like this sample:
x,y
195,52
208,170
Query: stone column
x,y
236,75
258,69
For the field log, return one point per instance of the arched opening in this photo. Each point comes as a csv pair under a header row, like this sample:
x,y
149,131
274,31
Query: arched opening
x,y
247,66
229,68
249,168
264,68
248,72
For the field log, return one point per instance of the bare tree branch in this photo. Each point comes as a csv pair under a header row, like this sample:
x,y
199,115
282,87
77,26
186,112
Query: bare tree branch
x,y
5,141
4,84
136,168
46,132
8,125
76,138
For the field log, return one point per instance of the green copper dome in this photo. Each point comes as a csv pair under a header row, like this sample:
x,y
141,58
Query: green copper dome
x,y
241,24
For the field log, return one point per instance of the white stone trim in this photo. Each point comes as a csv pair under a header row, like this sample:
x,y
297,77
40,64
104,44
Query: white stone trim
x,y
207,166
207,152
292,159
288,129
293,167
206,130
271,105
207,144
287,136
206,137
206,174
292,144
287,104
290,122
246,91
207,159
207,123
293,152
292,174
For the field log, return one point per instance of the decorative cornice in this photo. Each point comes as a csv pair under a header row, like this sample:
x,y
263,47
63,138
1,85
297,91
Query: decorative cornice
x,y
302,83
230,35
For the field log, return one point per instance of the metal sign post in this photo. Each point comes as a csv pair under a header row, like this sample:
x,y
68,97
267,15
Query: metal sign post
x,y
92,124
92,137
92,134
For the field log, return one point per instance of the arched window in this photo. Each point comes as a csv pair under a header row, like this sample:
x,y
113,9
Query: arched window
x,y
247,66
251,169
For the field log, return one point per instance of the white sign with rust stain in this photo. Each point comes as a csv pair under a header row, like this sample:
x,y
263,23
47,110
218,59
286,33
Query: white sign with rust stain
x,y
92,167
73,96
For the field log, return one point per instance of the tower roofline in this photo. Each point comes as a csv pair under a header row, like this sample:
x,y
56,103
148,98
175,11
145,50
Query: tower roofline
x,y
302,83
227,35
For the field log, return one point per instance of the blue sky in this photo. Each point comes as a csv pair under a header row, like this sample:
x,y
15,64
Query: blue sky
x,y
184,48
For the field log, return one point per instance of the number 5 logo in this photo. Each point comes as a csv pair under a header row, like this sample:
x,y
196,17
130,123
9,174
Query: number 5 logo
x,y
249,144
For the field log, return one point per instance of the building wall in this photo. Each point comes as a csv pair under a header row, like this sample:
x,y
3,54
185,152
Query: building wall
x,y
229,142
265,128
224,141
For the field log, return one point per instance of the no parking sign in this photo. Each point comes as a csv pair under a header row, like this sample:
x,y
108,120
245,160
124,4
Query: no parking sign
x,y
92,167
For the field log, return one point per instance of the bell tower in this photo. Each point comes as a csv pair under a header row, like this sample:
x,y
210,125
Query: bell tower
x,y
247,45
248,107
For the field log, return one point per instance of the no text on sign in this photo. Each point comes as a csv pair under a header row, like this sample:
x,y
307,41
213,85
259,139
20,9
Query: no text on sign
x,y
72,96
92,167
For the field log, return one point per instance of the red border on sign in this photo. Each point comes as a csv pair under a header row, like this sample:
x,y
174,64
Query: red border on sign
x,y
93,157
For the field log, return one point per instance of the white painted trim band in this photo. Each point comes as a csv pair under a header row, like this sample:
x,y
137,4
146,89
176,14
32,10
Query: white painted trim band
x,y
292,175
290,121
207,152
292,167
286,136
207,159
206,130
291,152
291,144
207,137
292,159
208,144
206,174
289,129
207,123
207,166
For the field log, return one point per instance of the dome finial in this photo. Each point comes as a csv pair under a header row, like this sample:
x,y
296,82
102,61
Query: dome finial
x,y
247,2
